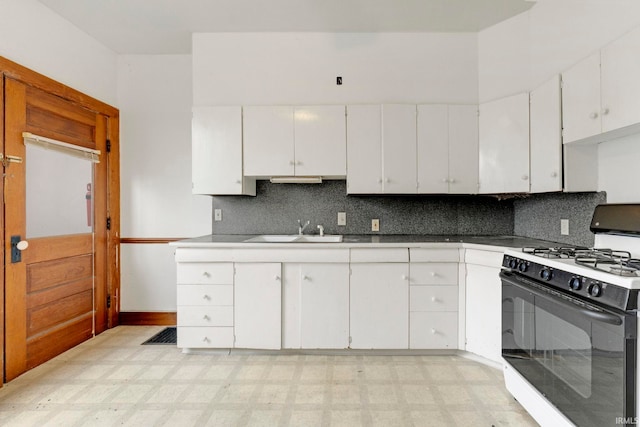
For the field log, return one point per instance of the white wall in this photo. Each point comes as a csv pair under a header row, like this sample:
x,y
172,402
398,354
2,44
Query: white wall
x,y
301,68
523,52
35,37
154,94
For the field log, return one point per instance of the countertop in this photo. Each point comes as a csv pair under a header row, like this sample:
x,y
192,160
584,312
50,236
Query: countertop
x,y
369,240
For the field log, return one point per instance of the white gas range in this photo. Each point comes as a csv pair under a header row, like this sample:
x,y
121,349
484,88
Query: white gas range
x,y
569,317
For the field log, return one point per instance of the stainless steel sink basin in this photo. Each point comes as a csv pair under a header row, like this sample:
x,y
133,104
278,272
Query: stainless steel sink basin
x,y
295,238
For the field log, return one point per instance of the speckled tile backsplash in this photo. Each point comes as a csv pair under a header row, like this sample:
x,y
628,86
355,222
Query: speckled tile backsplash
x,y
277,207
538,216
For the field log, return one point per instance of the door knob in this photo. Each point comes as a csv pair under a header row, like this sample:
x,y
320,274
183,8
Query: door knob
x,y
22,245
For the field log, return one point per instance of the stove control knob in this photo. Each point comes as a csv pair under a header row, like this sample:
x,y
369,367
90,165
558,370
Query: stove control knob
x,y
575,283
523,266
546,273
595,289
513,263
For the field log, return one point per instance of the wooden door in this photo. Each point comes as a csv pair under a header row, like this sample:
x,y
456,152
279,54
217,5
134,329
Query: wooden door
x,y
55,295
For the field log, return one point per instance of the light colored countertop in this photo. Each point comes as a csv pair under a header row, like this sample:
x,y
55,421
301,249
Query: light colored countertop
x,y
351,241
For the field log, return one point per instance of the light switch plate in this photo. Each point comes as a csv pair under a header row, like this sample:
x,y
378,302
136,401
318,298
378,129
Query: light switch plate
x,y
217,214
342,218
375,225
564,227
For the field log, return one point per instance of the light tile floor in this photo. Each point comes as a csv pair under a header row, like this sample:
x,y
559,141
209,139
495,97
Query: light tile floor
x,y
113,380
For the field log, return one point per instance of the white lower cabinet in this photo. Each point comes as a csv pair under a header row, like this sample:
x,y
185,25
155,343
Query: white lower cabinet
x,y
379,305
257,303
205,305
315,306
433,299
484,304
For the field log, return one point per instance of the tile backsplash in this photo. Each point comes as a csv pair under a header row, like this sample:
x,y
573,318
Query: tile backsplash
x,y
277,207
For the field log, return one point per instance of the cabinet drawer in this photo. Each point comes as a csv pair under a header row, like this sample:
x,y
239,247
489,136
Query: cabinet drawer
x,y
205,315
197,273
380,255
434,273
205,295
433,298
434,255
433,330
205,337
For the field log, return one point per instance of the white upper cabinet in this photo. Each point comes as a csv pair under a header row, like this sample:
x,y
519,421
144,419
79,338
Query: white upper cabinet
x,y
381,149
447,149
364,149
620,83
294,141
504,145
320,141
546,137
581,100
399,166
216,148
268,141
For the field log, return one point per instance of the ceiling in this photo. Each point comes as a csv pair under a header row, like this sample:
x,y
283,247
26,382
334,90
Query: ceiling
x,y
165,26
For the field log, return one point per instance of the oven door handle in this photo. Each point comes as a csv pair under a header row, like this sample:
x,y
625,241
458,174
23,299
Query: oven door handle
x,y
599,316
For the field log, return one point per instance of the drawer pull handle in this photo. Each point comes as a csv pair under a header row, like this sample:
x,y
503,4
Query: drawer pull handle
x,y
206,297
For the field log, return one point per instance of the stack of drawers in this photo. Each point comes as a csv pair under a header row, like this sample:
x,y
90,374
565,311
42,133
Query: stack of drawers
x,y
433,298
205,305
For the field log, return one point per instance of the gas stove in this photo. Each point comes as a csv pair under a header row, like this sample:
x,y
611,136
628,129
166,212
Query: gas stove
x,y
604,277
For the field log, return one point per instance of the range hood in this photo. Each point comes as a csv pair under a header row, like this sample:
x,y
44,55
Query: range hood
x,y
296,180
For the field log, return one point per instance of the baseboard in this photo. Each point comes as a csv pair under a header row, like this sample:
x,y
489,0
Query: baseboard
x,y
156,318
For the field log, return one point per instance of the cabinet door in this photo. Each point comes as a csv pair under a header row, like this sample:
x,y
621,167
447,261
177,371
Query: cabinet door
x,y
463,149
364,149
324,320
399,164
379,306
433,149
268,141
546,137
216,147
504,145
620,83
257,305
320,141
581,99
483,315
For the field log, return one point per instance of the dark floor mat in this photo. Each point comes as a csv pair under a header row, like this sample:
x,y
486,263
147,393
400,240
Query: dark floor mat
x,y
166,336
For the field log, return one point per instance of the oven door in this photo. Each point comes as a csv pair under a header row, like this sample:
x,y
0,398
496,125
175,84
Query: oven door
x,y
580,357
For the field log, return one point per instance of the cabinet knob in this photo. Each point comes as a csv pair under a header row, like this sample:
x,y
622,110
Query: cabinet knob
x,y
292,163
405,277
206,297
206,274
593,115
433,331
298,163
276,278
379,180
433,274
205,317
554,174
444,180
238,181
305,278
605,111
434,299
205,339
452,180
525,177
387,180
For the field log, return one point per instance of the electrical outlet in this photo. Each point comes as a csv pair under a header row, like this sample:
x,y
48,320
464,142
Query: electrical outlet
x,y
375,225
564,227
342,218
217,214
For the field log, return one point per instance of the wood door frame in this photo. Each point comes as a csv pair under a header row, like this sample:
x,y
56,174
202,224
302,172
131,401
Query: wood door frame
x,y
109,239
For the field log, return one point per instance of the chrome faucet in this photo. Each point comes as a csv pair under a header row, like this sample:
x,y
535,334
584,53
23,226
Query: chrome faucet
x,y
321,228
302,227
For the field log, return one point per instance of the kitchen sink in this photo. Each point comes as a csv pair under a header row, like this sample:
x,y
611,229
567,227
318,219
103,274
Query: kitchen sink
x,y
295,238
